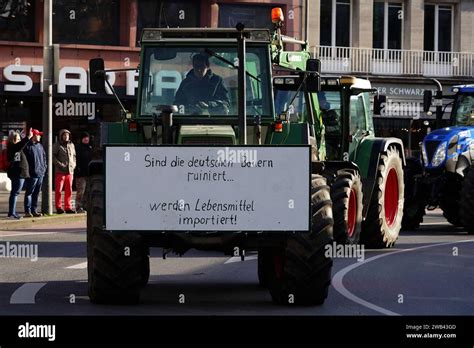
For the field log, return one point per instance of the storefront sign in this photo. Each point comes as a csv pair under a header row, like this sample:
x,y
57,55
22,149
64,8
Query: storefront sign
x,y
18,79
406,90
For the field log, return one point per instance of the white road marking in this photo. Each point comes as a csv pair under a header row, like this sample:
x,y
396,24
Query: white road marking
x,y
238,259
19,234
435,223
337,280
26,293
81,265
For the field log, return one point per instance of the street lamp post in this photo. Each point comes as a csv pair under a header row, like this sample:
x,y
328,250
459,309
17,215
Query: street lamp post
x,y
46,203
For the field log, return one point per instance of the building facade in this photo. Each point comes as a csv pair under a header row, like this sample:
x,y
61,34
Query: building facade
x,y
100,28
398,44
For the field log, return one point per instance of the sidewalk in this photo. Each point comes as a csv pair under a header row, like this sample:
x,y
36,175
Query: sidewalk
x,y
9,224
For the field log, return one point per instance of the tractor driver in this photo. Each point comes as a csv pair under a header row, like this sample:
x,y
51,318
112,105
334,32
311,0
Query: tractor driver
x,y
202,91
332,126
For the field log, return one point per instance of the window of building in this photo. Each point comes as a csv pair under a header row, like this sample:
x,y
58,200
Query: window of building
x,y
252,16
335,23
438,28
165,14
387,25
86,22
17,20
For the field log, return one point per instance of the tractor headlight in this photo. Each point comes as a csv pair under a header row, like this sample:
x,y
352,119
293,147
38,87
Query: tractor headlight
x,y
425,156
440,155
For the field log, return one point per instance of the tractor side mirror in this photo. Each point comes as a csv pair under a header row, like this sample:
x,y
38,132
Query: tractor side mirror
x,y
97,75
313,65
313,81
380,101
427,98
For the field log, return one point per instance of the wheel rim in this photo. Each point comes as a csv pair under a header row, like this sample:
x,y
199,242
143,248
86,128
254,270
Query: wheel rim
x,y
351,213
391,197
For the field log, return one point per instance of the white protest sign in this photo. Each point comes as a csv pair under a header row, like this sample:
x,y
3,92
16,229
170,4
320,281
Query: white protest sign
x,y
202,188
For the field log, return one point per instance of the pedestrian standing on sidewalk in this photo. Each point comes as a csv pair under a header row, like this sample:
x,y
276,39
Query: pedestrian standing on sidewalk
x,y
64,159
18,170
37,164
84,156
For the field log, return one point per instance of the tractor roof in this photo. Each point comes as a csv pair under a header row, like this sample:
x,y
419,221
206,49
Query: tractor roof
x,y
355,82
463,89
352,81
151,35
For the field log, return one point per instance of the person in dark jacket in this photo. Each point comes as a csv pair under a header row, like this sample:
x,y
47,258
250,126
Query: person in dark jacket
x,y
18,170
83,157
37,164
202,91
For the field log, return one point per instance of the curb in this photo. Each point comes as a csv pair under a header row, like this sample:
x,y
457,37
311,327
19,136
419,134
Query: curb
x,y
7,224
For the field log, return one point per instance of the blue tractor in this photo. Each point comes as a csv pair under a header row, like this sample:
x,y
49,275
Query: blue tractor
x,y
444,175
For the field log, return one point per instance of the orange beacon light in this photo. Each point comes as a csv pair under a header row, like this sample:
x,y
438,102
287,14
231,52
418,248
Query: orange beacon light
x,y
277,15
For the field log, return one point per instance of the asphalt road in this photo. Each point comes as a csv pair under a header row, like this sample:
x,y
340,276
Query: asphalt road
x,y
428,272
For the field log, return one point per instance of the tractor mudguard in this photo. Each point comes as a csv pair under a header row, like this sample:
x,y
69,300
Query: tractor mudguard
x,y
335,166
367,159
460,164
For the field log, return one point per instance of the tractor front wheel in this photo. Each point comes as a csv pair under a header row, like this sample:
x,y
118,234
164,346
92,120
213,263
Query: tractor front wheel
x,y
346,195
450,201
116,263
467,199
384,216
414,205
301,272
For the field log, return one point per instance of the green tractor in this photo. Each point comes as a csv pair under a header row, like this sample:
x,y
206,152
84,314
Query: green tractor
x,y
365,173
184,175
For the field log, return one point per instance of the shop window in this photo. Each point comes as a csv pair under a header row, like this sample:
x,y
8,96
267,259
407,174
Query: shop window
x,y
86,22
165,14
17,20
252,16
335,23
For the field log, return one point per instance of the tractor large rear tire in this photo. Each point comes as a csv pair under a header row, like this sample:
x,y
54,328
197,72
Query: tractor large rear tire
x,y
115,262
414,205
467,199
346,196
384,217
302,270
450,200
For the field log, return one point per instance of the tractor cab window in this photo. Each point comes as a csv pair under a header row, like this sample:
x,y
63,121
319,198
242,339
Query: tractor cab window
x,y
204,81
464,111
330,107
358,120
291,102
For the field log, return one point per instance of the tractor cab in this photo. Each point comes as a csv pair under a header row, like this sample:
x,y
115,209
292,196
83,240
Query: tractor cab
x,y
197,71
449,147
339,113
463,109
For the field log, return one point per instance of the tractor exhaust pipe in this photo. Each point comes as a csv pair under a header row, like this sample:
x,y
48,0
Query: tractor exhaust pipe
x,y
242,85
